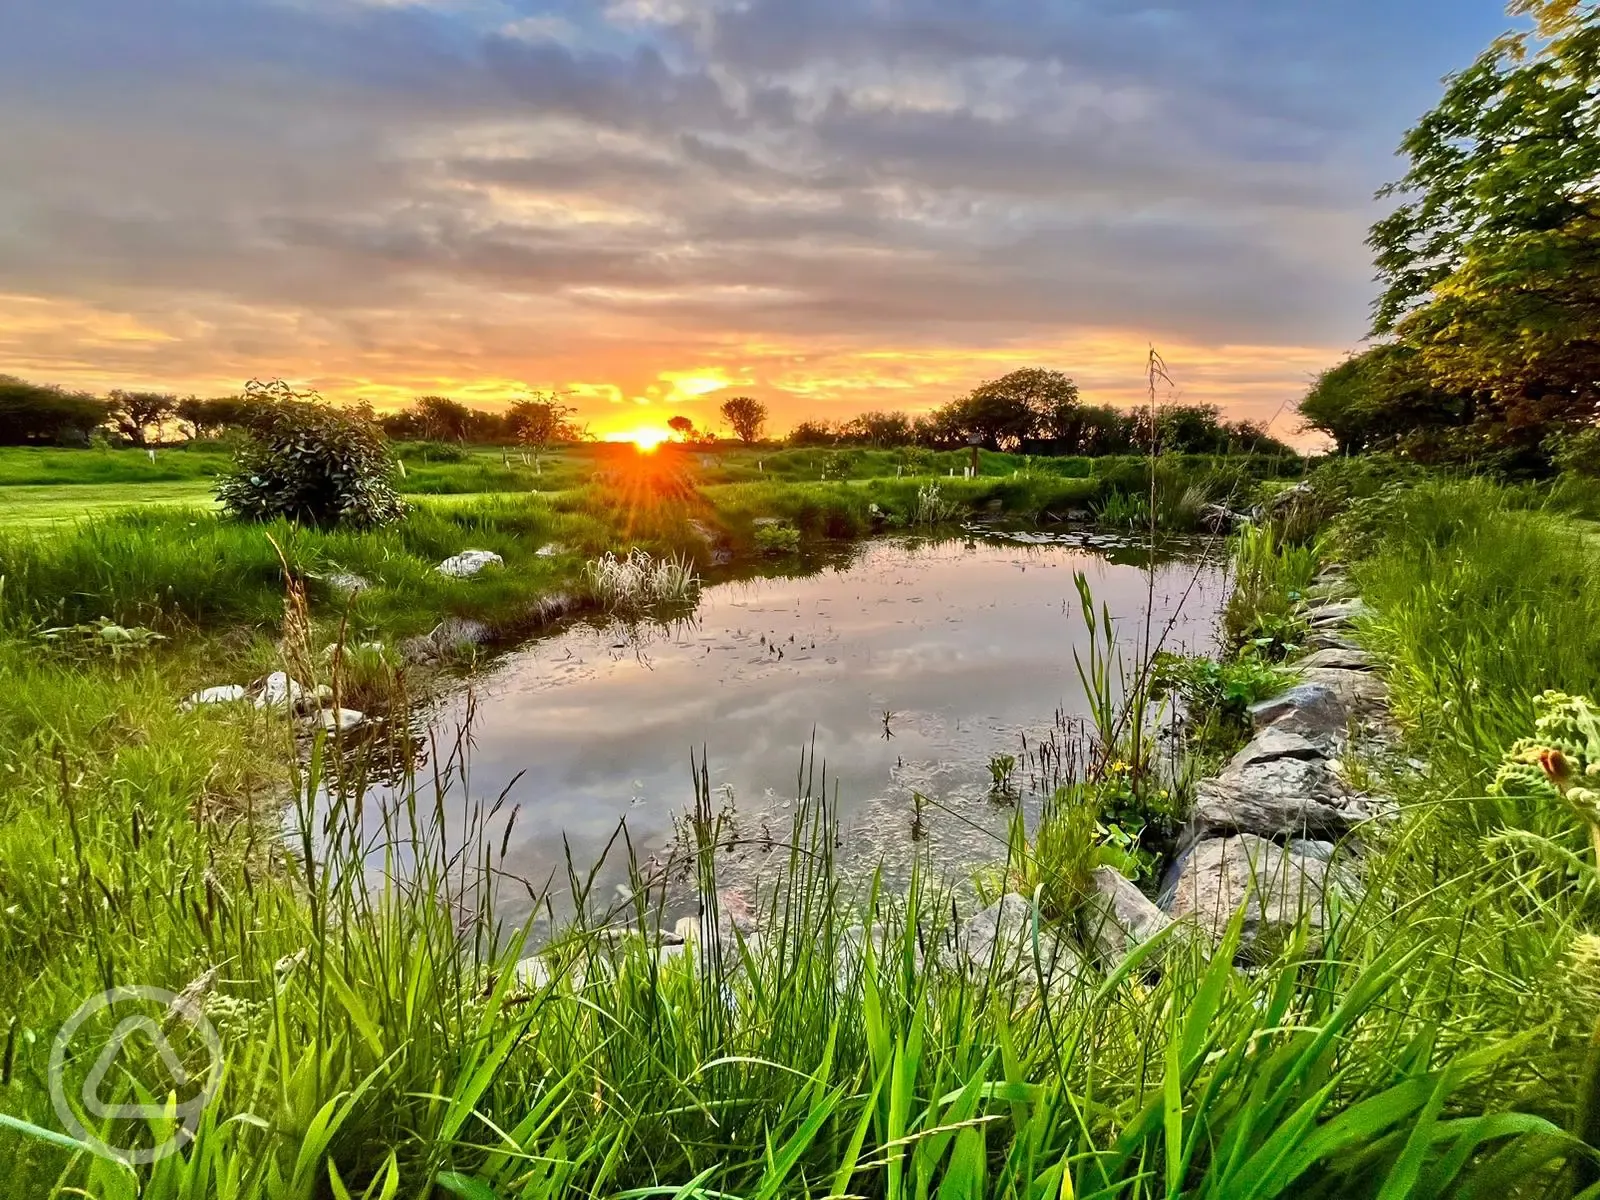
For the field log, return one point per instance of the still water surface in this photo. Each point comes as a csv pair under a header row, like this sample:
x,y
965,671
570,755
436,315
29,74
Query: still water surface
x,y
907,665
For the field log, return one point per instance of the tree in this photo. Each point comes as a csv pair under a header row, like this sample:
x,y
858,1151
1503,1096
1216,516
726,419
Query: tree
x,y
541,421
682,427
208,418
1491,265
34,412
746,415
442,419
309,462
879,429
1383,399
813,433
136,414
1003,412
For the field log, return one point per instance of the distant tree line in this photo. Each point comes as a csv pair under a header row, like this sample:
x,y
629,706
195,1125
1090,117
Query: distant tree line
x,y
1036,411
1487,331
1039,411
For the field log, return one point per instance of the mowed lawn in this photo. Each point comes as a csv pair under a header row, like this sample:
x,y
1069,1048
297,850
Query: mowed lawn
x,y
33,505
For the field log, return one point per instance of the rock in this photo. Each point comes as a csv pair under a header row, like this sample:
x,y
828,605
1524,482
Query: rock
x,y
468,563
721,554
333,720
1339,658
1281,797
1079,516
420,649
547,610
279,692
1117,916
1219,518
999,943
549,550
1275,742
1312,710
1275,886
1337,613
1360,692
332,648
1328,639
346,583
227,693
455,633
532,974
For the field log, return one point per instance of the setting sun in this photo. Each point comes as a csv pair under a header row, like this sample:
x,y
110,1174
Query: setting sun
x,y
646,437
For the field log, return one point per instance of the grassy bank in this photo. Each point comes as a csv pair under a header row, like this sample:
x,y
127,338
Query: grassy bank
x,y
382,1043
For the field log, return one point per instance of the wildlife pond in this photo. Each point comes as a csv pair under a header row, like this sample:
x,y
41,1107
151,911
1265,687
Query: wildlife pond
x,y
890,678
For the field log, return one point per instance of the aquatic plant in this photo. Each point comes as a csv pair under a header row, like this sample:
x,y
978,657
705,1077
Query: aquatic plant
x,y
933,507
777,539
1001,767
638,580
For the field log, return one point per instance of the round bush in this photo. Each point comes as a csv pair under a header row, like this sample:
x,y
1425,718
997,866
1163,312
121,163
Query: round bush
x,y
309,462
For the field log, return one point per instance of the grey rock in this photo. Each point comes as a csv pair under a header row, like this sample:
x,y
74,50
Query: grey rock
x,y
346,583
227,693
1361,692
549,550
1282,797
999,943
1219,518
1308,848
1275,742
1338,612
1329,639
1275,887
547,610
1338,658
457,633
469,563
420,649
1116,916
1312,710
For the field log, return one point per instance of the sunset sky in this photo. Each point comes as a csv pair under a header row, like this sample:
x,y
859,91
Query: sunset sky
x,y
833,205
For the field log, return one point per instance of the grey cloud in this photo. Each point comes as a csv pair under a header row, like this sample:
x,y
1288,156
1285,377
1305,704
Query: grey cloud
x,y
341,160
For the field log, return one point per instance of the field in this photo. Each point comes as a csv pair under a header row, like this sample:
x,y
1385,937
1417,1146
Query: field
x,y
1430,1041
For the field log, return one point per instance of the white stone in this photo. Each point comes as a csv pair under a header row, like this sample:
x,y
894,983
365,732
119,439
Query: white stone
x,y
279,692
227,693
469,562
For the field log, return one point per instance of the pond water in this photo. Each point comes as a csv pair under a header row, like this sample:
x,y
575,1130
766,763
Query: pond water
x,y
902,667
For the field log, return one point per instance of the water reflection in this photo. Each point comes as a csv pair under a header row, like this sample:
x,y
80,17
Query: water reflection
x,y
905,663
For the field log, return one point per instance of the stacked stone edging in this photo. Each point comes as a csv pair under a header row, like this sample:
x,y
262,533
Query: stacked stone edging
x,y
1271,833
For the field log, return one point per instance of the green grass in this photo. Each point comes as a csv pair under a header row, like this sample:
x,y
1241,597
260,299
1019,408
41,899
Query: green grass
x,y
1432,1043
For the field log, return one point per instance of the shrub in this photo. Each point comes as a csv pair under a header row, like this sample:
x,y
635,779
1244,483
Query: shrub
x,y
1579,453
310,463
777,539
1217,695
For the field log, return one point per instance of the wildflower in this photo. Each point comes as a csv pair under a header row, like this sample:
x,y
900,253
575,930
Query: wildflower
x,y
1120,767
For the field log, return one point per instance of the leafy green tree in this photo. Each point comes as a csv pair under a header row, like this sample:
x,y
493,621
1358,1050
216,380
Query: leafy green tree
x,y
878,429
35,412
746,415
136,415
1384,399
308,462
1491,265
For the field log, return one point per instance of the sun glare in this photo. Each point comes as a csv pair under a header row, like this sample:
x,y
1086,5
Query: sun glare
x,y
646,437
